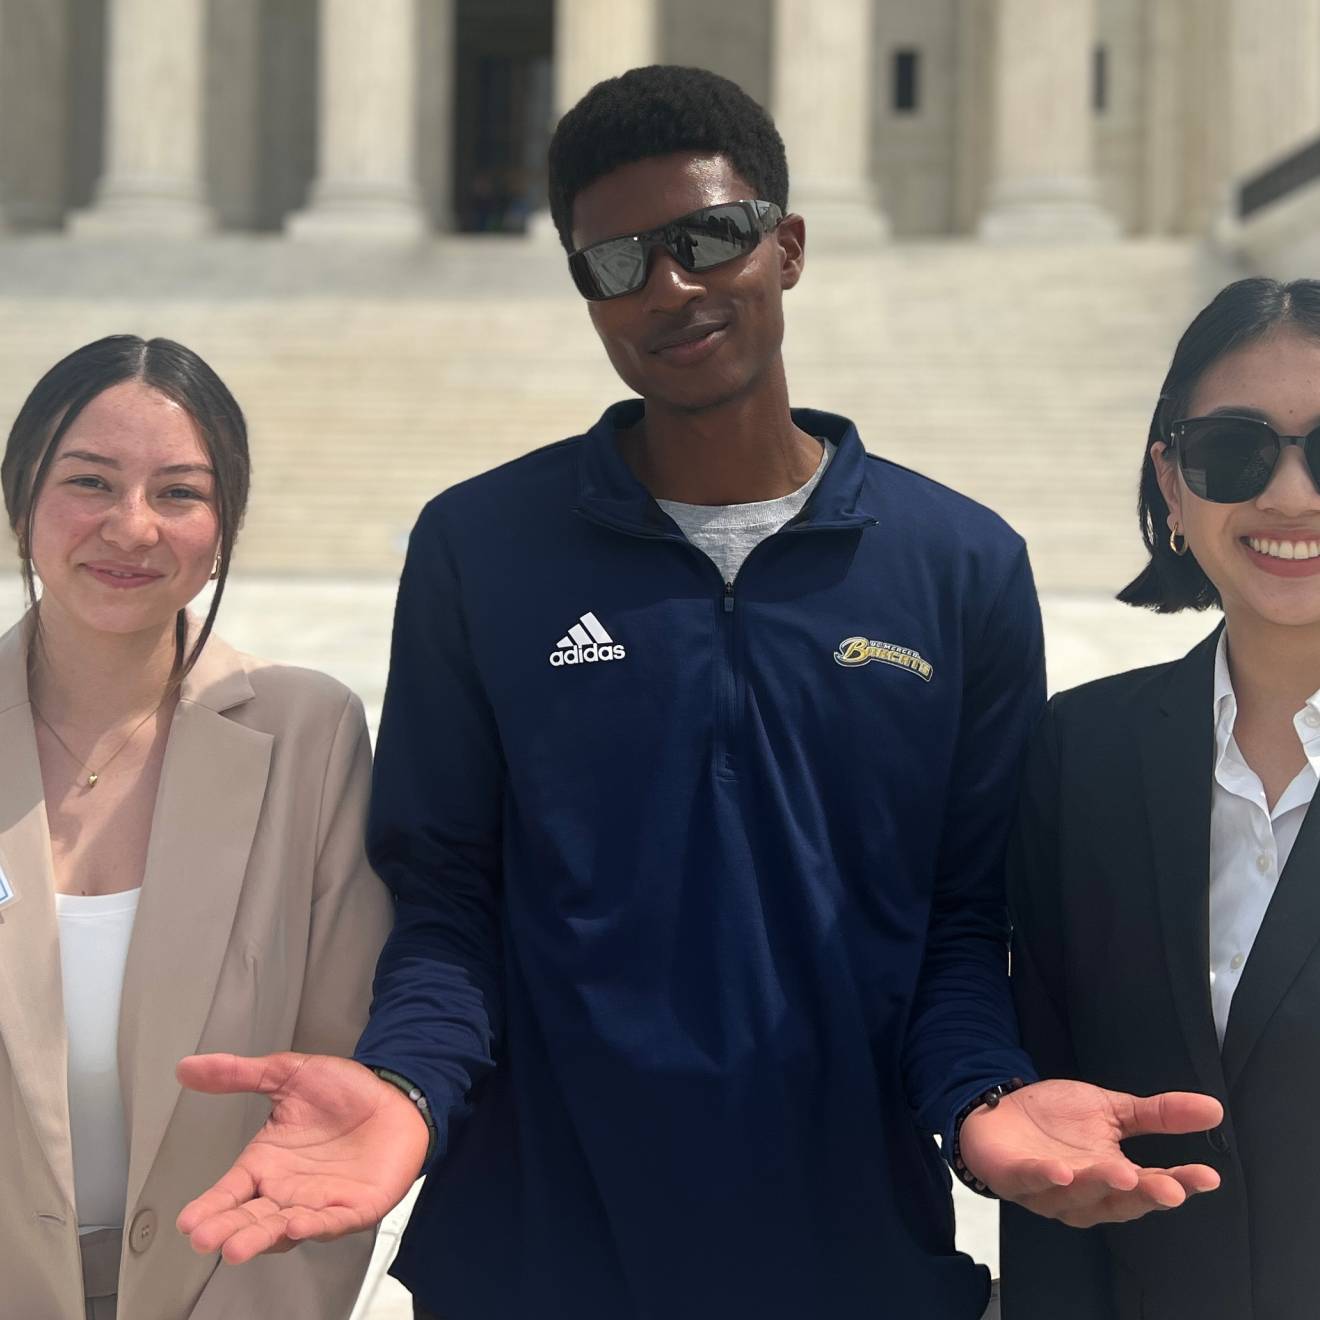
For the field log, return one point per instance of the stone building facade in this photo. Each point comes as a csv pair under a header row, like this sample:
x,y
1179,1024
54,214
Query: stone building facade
x,y
1002,119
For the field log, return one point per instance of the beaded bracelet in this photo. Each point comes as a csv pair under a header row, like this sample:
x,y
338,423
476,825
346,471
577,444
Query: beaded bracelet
x,y
989,1099
414,1093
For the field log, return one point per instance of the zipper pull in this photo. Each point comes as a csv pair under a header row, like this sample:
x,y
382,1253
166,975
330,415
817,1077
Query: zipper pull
x,y
728,598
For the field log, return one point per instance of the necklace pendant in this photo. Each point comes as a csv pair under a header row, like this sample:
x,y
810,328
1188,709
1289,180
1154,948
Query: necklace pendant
x,y
91,780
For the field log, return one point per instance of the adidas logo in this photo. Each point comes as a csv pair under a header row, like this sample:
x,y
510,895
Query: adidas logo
x,y
585,643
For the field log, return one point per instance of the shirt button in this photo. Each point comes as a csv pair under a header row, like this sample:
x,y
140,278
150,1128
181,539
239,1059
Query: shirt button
x,y
1262,863
1218,1140
1237,960
1311,720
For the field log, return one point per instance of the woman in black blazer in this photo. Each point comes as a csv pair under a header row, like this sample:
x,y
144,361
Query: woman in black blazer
x,y
1165,875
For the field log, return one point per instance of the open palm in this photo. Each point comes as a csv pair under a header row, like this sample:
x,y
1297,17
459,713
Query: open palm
x,y
338,1152
1054,1148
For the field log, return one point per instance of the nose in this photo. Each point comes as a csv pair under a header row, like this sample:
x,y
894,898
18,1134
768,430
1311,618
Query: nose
x,y
130,524
669,287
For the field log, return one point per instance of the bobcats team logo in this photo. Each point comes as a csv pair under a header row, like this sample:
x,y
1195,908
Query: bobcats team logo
x,y
854,652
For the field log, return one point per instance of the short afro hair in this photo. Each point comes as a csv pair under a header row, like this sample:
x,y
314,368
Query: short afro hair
x,y
654,111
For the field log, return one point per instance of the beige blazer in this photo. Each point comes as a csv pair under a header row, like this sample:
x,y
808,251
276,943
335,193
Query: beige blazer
x,y
257,930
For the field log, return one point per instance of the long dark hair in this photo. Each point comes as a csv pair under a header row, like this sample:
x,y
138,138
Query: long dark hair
x,y
1239,314
71,384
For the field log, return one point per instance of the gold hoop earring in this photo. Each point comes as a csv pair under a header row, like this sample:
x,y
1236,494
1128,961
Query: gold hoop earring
x,y
215,568
1175,533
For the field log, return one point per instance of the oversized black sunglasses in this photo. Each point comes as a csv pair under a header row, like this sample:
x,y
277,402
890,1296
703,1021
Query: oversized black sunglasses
x,y
1231,459
698,241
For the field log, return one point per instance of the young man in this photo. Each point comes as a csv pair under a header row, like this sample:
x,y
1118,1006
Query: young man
x,y
701,737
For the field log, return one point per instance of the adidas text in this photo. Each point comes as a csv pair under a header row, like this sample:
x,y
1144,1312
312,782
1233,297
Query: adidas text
x,y
585,655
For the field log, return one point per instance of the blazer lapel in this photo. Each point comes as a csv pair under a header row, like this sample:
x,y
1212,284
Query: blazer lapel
x,y
1287,938
31,992
1177,757
212,784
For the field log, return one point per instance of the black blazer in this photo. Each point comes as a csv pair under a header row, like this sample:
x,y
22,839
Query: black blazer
x,y
1109,881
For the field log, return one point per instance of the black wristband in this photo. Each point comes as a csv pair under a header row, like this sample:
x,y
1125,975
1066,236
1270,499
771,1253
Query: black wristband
x,y
414,1093
990,1099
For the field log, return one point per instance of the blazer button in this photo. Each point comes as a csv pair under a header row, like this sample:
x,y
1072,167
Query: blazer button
x,y
142,1233
1218,1140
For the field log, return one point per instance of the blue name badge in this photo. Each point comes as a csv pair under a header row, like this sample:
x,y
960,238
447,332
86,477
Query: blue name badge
x,y
7,894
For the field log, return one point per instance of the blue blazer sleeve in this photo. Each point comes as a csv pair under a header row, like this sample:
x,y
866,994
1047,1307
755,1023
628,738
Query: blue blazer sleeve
x,y
962,1037
1049,1270
433,836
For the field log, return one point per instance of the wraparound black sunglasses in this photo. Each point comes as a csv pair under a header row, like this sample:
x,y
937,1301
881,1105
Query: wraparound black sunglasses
x,y
1227,459
698,241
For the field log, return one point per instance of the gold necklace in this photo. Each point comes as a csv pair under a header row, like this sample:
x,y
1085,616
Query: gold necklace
x,y
94,775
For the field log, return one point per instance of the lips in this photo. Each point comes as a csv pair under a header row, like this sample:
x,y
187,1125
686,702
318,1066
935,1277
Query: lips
x,y
122,576
692,333
1292,555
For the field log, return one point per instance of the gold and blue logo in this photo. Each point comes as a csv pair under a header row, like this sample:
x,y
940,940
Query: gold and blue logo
x,y
854,652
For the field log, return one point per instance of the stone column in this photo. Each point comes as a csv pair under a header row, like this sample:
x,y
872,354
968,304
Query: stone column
x,y
366,181
974,95
34,89
1043,184
597,39
824,109
437,43
152,178
1274,47
1165,151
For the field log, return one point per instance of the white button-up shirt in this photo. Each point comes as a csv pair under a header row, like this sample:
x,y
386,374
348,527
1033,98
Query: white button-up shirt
x,y
1249,843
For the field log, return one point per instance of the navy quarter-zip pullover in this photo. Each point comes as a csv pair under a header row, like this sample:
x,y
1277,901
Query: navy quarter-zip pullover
x,y
700,927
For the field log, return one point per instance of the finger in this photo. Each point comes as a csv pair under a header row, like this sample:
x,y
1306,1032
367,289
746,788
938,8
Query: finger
x,y
1031,1177
1083,1209
1162,1191
225,1074
212,1234
334,1221
1110,1174
232,1190
265,1237
1171,1112
1084,1197
1195,1178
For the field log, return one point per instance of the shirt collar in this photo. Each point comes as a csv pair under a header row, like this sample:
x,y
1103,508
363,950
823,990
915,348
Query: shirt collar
x,y
1230,769
1225,700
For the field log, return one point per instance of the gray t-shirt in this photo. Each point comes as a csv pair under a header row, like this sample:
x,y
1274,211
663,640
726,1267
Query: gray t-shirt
x,y
728,533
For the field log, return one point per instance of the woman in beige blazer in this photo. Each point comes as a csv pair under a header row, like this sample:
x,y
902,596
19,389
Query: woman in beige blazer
x,y
180,831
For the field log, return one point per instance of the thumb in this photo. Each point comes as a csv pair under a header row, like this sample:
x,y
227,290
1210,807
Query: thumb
x,y
1171,1112
226,1074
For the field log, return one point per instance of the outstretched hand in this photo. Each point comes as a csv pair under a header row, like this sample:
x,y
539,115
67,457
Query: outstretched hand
x,y
338,1152
1054,1148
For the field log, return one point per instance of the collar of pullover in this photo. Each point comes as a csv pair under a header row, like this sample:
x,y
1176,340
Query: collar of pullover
x,y
608,491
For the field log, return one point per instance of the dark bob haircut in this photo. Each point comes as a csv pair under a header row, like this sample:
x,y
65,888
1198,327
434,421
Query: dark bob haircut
x,y
71,384
655,111
1239,314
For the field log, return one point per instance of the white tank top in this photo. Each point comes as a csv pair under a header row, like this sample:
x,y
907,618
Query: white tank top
x,y
94,934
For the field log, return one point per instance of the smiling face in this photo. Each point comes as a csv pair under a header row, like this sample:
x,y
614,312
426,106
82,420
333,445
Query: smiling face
x,y
690,341
1262,555
124,530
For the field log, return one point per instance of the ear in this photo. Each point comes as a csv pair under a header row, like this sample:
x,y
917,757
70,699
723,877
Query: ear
x,y
1166,473
791,235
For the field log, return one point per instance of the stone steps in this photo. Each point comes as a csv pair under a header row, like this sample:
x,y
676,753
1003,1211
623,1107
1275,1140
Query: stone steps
x,y
1023,377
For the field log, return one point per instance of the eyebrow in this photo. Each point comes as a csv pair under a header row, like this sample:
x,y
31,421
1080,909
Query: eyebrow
x,y
1256,415
173,469
1239,410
